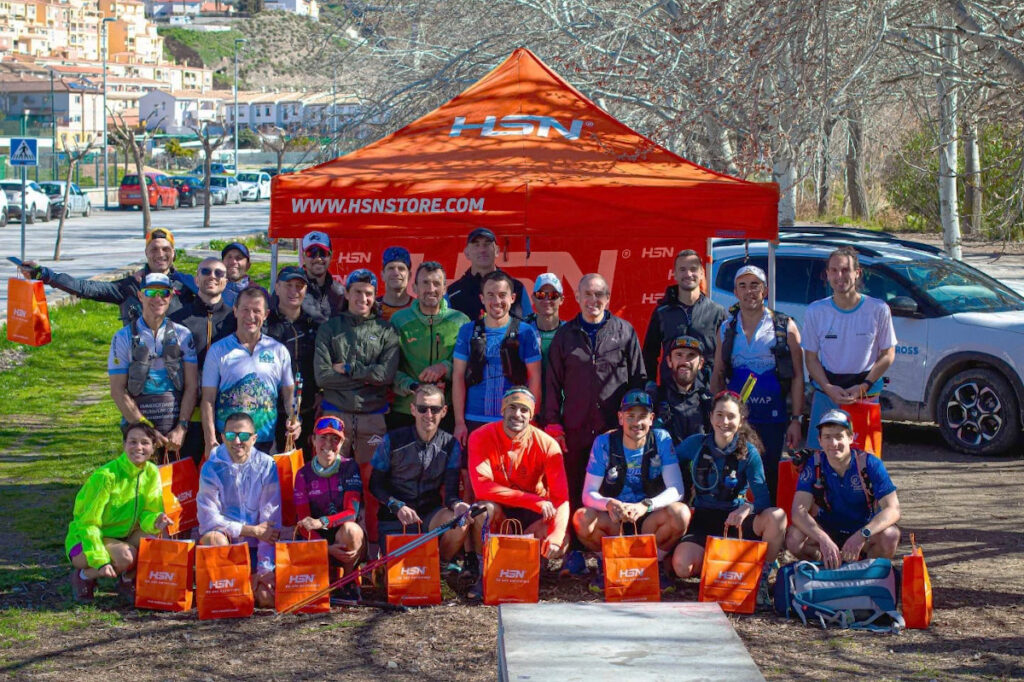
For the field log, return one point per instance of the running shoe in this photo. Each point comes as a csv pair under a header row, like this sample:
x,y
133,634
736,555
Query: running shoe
x,y
667,585
597,582
81,589
349,592
476,593
575,564
765,598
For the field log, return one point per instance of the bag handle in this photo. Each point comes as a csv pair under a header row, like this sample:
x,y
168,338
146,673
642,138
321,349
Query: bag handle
x,y
289,443
418,524
507,526
622,525
739,531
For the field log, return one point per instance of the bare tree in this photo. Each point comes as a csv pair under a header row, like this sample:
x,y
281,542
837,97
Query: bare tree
x,y
132,146
75,154
211,142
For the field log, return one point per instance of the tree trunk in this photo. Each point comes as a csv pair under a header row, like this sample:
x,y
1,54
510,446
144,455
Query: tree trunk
x,y
949,209
72,160
824,159
784,174
855,165
147,221
972,173
206,183
720,149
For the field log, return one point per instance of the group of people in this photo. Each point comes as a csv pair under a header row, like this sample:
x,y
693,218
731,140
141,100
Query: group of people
x,y
413,405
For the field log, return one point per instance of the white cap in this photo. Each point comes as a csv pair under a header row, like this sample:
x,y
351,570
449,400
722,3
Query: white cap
x,y
751,270
316,239
548,278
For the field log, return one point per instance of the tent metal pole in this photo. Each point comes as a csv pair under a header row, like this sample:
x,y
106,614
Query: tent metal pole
x,y
273,263
771,274
707,266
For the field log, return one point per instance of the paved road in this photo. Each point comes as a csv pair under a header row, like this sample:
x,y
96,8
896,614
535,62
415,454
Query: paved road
x,y
110,240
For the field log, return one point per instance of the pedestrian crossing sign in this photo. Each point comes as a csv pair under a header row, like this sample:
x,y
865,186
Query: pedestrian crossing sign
x,y
24,151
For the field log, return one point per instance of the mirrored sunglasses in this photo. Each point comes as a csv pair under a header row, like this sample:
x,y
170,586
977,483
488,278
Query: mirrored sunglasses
x,y
432,409
156,293
329,423
317,252
547,295
216,273
243,436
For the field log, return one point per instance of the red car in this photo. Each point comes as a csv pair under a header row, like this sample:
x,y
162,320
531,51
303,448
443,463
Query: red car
x,y
162,192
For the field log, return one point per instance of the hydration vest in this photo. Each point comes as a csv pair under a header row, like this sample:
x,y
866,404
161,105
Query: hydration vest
x,y
820,498
615,474
138,369
512,366
784,369
727,486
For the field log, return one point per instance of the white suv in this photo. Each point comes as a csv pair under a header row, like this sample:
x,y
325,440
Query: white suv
x,y
960,333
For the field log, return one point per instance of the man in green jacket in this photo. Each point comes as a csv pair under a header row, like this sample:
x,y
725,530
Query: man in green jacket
x,y
355,362
119,503
426,336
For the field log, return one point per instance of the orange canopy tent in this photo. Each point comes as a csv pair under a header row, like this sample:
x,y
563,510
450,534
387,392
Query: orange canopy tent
x,y
565,186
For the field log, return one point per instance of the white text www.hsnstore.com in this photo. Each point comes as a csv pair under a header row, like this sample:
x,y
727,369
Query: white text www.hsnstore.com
x,y
395,205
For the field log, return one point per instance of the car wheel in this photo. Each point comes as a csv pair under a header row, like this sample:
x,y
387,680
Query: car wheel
x,y
30,214
88,210
238,199
977,412
3,218
48,213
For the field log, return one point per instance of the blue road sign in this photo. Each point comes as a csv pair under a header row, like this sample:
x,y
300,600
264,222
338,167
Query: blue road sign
x,y
24,151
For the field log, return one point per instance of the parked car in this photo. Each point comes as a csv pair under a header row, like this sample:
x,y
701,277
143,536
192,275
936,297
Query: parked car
x,y
215,169
254,186
960,333
37,204
161,192
190,189
224,188
272,170
4,215
78,201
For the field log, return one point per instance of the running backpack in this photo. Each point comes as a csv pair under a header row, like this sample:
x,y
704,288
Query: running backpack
x,y
861,595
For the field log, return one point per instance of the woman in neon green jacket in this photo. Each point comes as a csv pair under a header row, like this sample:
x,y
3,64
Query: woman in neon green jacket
x,y
119,503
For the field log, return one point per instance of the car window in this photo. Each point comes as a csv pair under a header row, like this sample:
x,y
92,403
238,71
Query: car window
x,y
798,279
883,286
130,180
218,182
51,188
248,177
958,288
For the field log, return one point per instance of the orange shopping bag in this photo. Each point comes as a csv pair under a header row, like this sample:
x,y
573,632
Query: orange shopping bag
x,y
28,320
288,465
223,589
732,572
163,578
786,490
300,570
180,486
511,566
866,417
630,567
916,589
414,579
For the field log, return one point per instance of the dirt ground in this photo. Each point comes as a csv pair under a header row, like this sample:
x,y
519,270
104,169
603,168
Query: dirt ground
x,y
965,512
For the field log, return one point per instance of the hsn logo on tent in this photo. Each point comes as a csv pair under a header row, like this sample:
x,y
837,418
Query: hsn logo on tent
x,y
519,124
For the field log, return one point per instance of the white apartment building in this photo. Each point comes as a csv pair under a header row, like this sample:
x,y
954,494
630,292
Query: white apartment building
x,y
176,112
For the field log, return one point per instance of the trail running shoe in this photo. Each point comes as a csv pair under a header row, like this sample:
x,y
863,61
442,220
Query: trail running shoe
x,y
476,593
349,592
575,564
81,589
764,594
667,584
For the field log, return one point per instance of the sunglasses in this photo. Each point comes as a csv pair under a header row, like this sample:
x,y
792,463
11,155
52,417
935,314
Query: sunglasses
x,y
329,423
156,293
317,252
547,295
243,436
216,273
432,409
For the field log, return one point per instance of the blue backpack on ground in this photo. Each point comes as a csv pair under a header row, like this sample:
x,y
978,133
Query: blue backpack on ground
x,y
861,595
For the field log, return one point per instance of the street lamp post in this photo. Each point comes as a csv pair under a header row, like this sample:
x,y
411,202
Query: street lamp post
x,y
235,116
103,48
24,181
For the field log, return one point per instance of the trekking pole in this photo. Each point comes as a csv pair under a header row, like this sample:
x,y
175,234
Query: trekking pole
x,y
371,566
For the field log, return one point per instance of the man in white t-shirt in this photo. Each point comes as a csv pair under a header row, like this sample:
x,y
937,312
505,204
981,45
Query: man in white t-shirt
x,y
848,340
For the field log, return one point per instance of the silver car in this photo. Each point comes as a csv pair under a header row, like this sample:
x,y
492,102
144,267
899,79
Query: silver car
x,y
78,201
37,204
224,189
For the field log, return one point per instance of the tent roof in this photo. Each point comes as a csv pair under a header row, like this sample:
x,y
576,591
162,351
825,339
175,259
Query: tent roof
x,y
539,153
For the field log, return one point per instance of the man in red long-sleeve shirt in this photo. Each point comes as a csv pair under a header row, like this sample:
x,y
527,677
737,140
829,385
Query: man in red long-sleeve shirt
x,y
517,471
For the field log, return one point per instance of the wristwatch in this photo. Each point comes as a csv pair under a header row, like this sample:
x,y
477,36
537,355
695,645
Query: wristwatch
x,y
183,423
648,502
866,532
325,522
798,418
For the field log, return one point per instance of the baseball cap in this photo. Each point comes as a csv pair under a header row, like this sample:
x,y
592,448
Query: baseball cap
x,y
237,246
292,272
751,270
316,239
329,425
837,417
481,232
361,275
156,279
636,398
548,278
399,253
685,341
160,233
